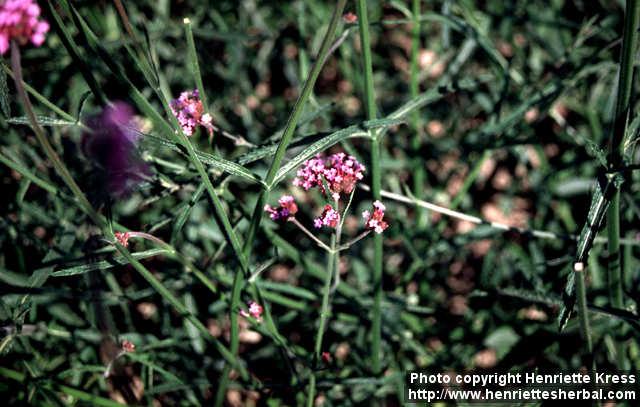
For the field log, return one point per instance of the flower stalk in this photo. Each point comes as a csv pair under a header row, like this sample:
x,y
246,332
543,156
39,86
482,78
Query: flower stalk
x,y
583,312
376,182
333,261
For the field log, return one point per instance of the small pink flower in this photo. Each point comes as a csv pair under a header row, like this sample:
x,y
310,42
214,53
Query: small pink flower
x,y
326,357
255,311
128,346
285,211
19,22
350,18
189,111
375,221
123,238
330,217
310,174
343,172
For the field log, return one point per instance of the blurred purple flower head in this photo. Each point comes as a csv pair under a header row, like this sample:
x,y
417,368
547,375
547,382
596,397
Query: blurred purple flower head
x,y
19,21
112,145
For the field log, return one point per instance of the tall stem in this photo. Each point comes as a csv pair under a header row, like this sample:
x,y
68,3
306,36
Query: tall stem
x,y
616,146
583,312
414,88
376,181
333,260
287,135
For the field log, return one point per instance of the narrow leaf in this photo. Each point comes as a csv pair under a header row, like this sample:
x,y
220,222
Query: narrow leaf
x,y
106,264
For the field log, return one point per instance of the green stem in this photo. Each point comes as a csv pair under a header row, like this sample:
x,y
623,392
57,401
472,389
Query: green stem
x,y
275,165
414,89
583,312
234,336
616,146
376,183
290,127
333,260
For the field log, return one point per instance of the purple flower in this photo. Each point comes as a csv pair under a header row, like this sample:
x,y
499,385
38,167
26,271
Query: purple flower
x,y
112,145
285,211
189,111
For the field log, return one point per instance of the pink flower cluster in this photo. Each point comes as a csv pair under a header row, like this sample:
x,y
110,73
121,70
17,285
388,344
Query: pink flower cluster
x,y
341,172
255,311
189,111
286,210
374,221
330,217
19,22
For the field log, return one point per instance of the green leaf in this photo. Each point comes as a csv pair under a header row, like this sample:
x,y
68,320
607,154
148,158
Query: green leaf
x,y
193,65
43,121
144,359
184,213
5,104
14,279
64,313
211,160
386,122
606,187
288,289
502,340
106,264
192,331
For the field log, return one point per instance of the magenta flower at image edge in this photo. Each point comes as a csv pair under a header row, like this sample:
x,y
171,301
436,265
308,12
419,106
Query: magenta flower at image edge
x,y
189,111
19,21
